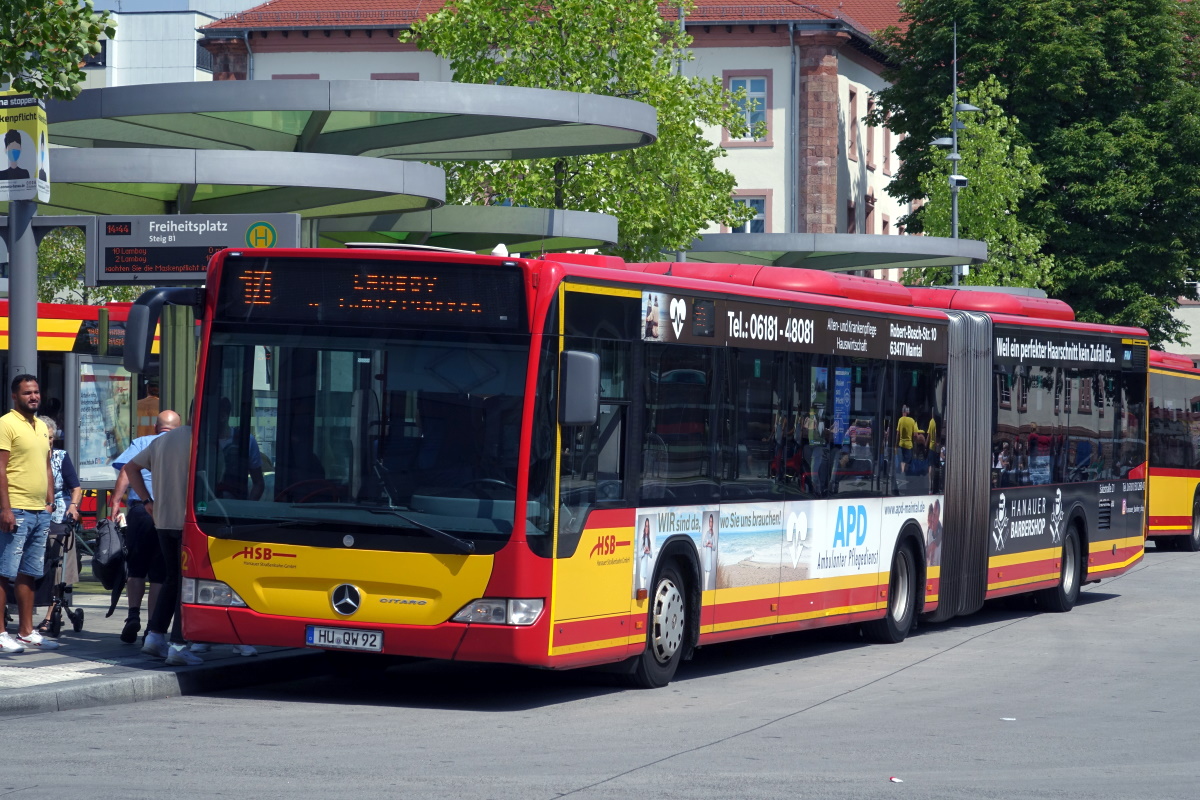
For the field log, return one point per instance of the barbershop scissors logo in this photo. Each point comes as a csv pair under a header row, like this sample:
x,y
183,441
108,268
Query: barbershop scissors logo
x,y
678,315
1000,526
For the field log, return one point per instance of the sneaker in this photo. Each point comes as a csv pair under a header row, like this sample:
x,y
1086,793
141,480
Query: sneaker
x,y
35,639
156,645
9,644
200,647
244,650
180,656
133,624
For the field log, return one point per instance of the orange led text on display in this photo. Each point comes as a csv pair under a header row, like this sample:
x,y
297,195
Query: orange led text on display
x,y
403,293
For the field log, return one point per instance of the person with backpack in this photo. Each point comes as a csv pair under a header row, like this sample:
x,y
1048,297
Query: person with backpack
x,y
145,560
167,459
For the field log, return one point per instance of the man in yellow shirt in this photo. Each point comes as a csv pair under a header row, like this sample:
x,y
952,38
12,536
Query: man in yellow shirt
x,y
906,426
26,501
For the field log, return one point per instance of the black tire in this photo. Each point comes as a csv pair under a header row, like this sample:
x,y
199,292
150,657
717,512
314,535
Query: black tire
x,y
1063,597
1192,543
666,631
77,620
902,601
56,623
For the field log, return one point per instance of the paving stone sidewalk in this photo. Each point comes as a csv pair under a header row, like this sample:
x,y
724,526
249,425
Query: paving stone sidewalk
x,y
94,667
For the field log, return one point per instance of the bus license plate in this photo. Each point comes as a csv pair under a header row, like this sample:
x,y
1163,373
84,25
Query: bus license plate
x,y
345,639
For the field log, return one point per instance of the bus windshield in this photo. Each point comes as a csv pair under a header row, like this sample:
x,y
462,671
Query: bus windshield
x,y
389,432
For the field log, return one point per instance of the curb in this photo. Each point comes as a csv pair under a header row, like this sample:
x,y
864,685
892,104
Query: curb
x,y
162,683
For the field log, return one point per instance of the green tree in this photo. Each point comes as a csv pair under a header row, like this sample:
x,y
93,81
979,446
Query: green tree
x,y
996,163
662,194
1105,94
43,44
60,272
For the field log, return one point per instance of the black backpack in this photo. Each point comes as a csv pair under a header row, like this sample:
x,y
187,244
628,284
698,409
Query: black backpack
x,y
108,560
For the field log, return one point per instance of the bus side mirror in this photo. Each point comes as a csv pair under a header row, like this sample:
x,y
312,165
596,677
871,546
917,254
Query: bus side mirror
x,y
579,388
143,320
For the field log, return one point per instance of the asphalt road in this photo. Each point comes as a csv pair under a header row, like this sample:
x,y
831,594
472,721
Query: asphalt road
x,y
1103,702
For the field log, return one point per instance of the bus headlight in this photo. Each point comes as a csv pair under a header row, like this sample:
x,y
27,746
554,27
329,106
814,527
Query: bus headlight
x,y
210,593
501,611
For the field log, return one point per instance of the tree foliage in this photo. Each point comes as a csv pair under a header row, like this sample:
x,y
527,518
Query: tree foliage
x,y
996,163
1105,93
662,194
60,272
43,44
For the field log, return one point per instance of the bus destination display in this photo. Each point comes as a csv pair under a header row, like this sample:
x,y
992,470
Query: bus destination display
x,y
376,292
158,260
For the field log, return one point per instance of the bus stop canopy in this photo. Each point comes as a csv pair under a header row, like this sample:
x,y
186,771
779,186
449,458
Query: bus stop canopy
x,y
836,252
164,181
418,120
479,228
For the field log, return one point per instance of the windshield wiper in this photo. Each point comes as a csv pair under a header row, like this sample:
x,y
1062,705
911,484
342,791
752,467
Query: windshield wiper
x,y
464,546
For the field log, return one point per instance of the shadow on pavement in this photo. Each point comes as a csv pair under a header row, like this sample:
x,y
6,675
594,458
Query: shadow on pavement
x,y
425,684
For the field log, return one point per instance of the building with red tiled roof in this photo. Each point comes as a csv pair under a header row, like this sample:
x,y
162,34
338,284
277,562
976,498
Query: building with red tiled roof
x,y
812,67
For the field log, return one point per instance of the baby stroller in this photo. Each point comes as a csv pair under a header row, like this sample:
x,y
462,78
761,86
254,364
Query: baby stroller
x,y
61,570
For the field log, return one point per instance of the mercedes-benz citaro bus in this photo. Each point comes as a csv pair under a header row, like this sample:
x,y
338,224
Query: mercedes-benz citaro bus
x,y
1174,491
575,461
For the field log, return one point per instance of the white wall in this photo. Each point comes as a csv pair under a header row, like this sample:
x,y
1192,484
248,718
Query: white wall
x,y
757,168
349,66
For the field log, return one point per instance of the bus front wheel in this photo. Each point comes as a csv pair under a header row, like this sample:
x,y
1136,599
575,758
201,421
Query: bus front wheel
x,y
1063,597
902,601
666,629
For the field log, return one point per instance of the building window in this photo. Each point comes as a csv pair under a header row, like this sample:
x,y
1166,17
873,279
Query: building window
x,y
869,220
308,76
887,149
852,127
851,218
757,223
395,76
870,136
755,107
885,225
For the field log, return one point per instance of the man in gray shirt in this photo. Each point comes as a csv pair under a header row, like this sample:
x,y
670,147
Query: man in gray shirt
x,y
167,458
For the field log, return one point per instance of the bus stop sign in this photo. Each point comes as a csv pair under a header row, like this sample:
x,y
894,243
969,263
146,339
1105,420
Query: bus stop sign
x,y
173,250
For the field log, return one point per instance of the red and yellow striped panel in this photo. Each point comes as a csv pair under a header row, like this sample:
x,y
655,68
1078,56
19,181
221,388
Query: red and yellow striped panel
x,y
1169,496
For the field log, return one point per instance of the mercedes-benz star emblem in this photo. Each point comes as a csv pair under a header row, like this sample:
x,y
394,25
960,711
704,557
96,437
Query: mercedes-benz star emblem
x,y
346,599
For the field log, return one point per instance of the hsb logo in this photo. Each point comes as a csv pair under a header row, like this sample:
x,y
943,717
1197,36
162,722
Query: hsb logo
x,y
605,546
260,554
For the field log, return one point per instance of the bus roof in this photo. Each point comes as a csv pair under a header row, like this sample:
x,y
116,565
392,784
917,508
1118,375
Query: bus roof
x,y
752,280
1175,361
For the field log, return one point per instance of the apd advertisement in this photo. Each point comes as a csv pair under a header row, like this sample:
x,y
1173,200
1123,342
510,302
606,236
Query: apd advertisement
x,y
680,319
755,544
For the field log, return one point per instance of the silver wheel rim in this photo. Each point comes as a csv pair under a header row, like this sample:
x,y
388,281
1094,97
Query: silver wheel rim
x,y
668,621
1195,529
900,587
1070,563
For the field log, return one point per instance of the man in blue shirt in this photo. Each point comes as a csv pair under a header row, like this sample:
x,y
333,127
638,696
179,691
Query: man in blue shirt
x,y
145,559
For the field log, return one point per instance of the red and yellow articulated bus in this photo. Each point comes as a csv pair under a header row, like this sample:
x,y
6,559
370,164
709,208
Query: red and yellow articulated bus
x,y
65,328
573,461
1174,496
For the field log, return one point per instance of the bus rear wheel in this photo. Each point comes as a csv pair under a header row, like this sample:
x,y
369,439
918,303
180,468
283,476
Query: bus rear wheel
x,y
902,601
1063,597
666,629
1192,544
